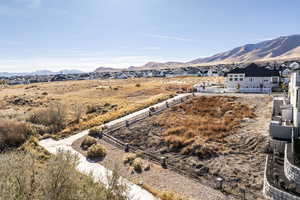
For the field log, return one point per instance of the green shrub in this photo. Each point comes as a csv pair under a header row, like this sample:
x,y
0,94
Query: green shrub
x,y
88,142
96,151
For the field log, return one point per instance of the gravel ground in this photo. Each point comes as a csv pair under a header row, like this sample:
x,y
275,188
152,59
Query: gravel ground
x,y
157,177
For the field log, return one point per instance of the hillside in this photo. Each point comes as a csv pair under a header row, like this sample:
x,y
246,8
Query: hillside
x,y
279,48
41,73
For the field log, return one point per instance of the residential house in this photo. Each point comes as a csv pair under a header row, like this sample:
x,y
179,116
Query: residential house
x,y
252,78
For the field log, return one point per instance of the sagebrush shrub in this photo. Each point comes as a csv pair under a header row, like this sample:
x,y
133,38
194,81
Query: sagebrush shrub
x,y
13,133
24,177
87,142
129,158
54,117
94,132
137,165
96,151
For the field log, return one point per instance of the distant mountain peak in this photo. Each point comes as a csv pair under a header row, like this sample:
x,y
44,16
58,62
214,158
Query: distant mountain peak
x,y
283,47
280,48
42,72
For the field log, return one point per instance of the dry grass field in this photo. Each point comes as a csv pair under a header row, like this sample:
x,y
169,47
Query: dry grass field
x,y
84,104
190,127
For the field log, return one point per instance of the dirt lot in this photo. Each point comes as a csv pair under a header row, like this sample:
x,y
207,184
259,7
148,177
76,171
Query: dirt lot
x,y
97,100
232,150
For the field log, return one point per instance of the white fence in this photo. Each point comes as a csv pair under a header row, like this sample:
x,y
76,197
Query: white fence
x,y
250,90
233,90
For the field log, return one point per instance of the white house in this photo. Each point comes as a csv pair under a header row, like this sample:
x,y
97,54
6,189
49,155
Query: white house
x,y
294,96
252,79
294,65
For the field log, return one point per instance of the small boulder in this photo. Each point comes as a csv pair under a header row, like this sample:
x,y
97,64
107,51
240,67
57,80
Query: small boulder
x,y
202,171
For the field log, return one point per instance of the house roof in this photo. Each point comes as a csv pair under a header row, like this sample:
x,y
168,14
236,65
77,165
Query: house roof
x,y
254,70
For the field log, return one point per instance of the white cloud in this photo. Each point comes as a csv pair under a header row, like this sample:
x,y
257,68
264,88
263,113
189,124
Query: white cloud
x,y
168,37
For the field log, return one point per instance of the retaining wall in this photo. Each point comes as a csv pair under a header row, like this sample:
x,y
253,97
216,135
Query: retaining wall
x,y
277,145
270,191
291,171
278,131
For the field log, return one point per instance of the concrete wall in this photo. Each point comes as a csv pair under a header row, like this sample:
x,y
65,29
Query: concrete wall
x,y
291,171
277,145
287,114
271,192
256,90
280,132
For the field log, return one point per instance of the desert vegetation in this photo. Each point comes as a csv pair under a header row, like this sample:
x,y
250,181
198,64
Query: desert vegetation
x,y
23,177
96,132
37,111
189,127
13,133
62,108
96,151
195,128
88,142
53,117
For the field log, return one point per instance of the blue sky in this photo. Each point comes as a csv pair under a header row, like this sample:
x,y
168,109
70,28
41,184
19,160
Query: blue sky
x,y
85,34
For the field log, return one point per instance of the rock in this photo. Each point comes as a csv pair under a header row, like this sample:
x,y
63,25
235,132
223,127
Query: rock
x,y
248,120
147,167
163,150
256,186
202,171
198,165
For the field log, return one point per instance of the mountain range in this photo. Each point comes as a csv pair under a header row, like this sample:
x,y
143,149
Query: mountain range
x,y
281,48
41,72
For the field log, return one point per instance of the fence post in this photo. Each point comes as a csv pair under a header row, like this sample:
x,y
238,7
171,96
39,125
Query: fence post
x,y
100,134
126,148
220,183
243,194
164,162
